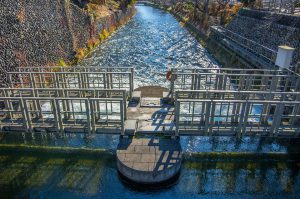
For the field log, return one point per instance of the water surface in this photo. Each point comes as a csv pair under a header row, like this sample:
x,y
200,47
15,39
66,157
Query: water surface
x,y
35,175
151,42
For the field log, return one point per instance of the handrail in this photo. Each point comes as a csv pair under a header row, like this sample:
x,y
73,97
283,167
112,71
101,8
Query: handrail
x,y
270,58
59,113
240,117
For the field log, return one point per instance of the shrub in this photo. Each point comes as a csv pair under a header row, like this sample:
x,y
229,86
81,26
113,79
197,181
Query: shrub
x,y
101,37
185,19
80,53
21,15
92,43
112,29
105,33
131,3
62,62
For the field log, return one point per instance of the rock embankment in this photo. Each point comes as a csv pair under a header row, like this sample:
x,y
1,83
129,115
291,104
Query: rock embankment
x,y
39,33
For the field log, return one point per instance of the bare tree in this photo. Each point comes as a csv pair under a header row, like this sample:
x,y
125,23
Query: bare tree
x,y
223,4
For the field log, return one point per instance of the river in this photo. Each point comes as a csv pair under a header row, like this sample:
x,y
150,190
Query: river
x,y
152,42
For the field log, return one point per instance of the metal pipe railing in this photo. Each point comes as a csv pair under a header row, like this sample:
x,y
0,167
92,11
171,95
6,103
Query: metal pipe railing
x,y
231,81
206,116
58,114
73,69
252,46
103,80
66,92
237,95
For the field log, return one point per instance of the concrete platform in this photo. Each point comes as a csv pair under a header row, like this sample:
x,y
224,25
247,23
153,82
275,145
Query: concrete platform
x,y
152,91
149,160
150,102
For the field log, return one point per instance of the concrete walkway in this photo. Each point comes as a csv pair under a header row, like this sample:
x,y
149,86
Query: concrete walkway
x,y
149,160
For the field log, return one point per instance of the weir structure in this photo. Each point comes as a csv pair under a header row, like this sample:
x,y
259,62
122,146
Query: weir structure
x,y
150,120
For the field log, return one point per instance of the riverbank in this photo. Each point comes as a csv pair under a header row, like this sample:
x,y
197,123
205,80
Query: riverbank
x,y
152,42
50,33
224,56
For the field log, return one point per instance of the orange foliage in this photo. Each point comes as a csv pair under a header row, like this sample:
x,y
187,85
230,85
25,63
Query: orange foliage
x,y
80,53
92,43
21,15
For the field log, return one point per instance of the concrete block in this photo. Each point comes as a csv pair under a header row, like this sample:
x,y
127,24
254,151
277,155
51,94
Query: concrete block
x,y
130,127
136,96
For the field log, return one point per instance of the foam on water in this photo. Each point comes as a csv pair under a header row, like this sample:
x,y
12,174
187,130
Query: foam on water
x,y
151,42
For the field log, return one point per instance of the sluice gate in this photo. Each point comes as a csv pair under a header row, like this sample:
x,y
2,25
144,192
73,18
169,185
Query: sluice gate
x,y
207,101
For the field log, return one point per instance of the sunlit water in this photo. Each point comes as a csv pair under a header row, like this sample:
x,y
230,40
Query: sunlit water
x,y
152,42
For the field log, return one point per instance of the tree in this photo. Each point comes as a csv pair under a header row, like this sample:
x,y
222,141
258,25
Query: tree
x,y
223,8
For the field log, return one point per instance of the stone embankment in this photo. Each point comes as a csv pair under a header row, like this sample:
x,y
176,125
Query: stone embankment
x,y
40,33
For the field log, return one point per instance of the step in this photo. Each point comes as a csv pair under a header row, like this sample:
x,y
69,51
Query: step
x,y
150,102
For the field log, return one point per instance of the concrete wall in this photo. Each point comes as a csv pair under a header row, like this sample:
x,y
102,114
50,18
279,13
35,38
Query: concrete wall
x,y
38,33
269,29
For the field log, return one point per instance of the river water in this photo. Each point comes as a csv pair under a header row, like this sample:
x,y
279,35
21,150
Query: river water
x,y
152,42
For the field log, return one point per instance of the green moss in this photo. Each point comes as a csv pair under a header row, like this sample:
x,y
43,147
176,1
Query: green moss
x,y
48,149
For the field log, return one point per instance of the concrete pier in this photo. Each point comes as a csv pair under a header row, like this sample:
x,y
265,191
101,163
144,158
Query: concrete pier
x,y
149,160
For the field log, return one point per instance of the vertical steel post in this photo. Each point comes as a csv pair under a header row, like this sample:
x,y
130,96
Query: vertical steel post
x,y
122,118
172,84
88,118
92,106
59,116
131,82
25,115
177,116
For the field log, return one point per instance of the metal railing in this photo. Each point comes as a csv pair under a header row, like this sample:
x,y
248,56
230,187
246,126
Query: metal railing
x,y
237,95
91,115
74,69
236,101
281,6
237,117
102,80
259,50
234,80
66,93
251,71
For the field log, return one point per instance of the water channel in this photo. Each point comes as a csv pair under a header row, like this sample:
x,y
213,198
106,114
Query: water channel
x,y
152,42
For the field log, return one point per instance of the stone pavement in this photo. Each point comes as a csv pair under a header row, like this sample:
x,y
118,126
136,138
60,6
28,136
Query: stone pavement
x,y
157,158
